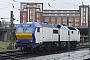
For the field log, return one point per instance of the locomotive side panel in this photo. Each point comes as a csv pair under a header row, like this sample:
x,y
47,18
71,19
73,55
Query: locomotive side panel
x,y
63,35
47,34
73,35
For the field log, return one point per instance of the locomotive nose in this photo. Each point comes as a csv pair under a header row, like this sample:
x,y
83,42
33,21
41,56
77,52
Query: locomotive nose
x,y
24,36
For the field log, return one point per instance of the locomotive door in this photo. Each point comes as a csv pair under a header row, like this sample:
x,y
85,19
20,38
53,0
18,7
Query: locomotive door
x,y
38,34
56,35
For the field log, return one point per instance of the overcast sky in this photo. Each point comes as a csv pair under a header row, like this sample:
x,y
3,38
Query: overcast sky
x,y
6,6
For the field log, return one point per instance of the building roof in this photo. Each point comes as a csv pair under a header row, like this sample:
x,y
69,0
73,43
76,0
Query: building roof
x,y
30,3
60,10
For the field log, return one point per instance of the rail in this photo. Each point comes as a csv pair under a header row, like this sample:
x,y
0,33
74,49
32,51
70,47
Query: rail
x,y
20,54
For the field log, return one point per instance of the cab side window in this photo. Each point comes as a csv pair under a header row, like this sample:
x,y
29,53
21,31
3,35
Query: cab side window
x,y
55,31
38,29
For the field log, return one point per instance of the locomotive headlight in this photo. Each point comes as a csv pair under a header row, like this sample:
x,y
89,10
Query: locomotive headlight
x,y
31,41
17,40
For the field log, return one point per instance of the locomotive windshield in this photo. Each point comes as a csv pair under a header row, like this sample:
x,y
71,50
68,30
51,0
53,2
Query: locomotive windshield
x,y
71,28
20,30
28,30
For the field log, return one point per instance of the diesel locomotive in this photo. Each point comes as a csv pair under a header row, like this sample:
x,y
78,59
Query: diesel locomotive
x,y
30,35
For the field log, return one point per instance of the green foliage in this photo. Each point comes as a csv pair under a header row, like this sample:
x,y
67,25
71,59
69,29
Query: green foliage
x,y
3,46
7,46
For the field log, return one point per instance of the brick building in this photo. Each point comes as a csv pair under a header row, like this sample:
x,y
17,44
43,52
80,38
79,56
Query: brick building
x,y
34,12
67,17
31,12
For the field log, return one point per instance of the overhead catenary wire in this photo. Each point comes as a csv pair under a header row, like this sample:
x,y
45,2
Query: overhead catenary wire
x,y
8,7
12,5
15,1
49,5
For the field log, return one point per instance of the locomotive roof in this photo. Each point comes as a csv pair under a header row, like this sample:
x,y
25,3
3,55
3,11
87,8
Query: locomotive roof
x,y
52,25
45,24
48,25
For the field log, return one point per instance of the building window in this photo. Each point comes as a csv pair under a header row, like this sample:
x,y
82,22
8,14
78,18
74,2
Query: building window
x,y
73,14
24,6
58,20
61,11
55,31
83,24
67,14
49,14
74,11
46,19
55,14
67,11
28,6
77,22
55,11
24,14
31,20
31,14
84,10
38,6
37,10
38,19
24,18
83,18
52,19
83,14
40,9
31,6
25,9
37,15
34,5
49,11
61,14
76,25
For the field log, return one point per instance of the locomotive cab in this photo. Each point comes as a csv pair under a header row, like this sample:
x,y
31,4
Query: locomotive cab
x,y
25,32
25,35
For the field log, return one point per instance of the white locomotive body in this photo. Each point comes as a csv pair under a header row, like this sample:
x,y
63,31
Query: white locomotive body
x,y
47,35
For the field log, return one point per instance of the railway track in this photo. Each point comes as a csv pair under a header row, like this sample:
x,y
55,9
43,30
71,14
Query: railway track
x,y
17,55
